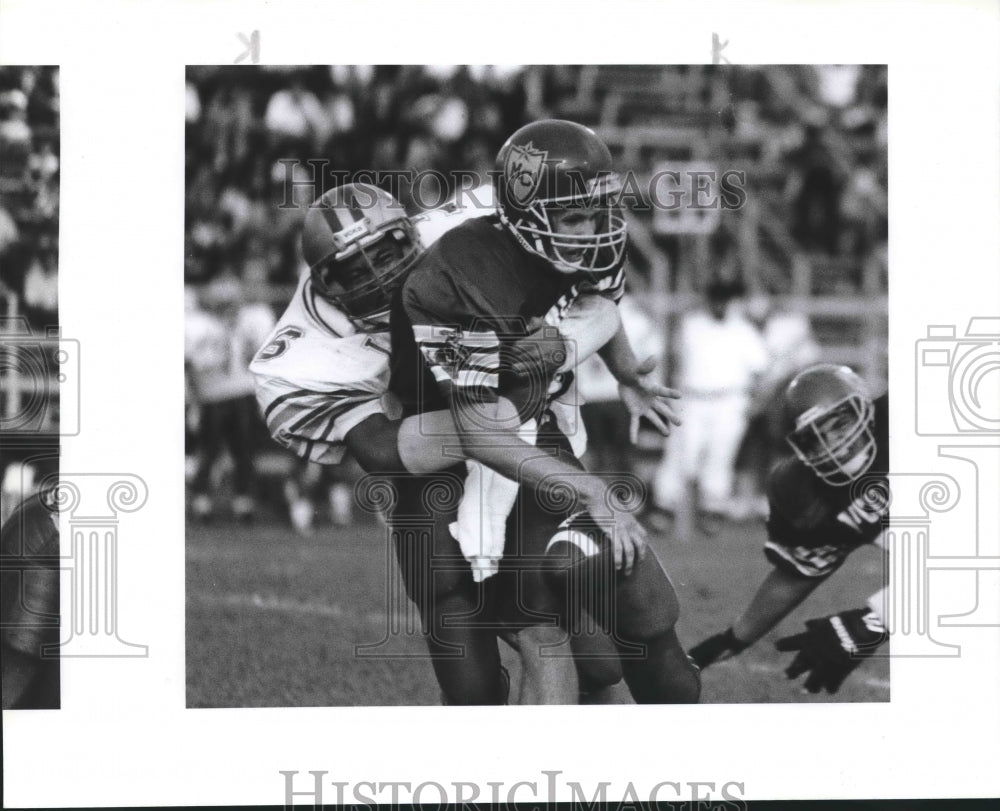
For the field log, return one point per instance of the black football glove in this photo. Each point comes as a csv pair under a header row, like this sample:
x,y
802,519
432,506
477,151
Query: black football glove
x,y
715,647
832,647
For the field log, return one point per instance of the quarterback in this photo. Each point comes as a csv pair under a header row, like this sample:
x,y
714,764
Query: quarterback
x,y
825,502
477,293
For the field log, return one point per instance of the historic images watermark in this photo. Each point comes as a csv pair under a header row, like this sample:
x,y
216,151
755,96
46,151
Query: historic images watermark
x,y
684,187
545,789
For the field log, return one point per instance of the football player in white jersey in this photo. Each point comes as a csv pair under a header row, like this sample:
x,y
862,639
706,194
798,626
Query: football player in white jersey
x,y
322,375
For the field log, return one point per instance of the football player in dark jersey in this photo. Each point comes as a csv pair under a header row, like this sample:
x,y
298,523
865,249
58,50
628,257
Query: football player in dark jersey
x,y
29,542
456,324
825,502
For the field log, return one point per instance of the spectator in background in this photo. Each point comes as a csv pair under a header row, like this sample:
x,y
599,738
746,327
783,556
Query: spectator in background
x,y
219,343
41,286
813,192
790,348
295,120
864,208
605,416
718,357
8,231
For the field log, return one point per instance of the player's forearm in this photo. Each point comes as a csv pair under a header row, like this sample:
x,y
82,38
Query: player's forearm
x,y
588,325
619,357
777,596
489,439
429,442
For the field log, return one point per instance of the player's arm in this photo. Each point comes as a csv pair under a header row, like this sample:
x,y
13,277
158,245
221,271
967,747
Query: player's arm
x,y
487,438
779,594
776,597
642,397
796,522
593,324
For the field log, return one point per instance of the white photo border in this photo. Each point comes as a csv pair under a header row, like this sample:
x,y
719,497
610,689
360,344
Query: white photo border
x,y
124,736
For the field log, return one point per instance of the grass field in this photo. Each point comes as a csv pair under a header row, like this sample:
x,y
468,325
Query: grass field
x,y
274,620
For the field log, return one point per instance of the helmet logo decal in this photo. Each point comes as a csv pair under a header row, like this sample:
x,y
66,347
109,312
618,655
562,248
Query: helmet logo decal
x,y
350,234
523,171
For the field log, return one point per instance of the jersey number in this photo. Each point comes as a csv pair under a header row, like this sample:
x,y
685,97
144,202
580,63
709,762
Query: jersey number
x,y
279,344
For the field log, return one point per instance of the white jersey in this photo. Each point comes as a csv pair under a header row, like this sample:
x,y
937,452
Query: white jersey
x,y
317,377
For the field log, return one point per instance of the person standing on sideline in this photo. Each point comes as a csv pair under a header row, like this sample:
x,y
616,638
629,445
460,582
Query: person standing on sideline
x,y
719,355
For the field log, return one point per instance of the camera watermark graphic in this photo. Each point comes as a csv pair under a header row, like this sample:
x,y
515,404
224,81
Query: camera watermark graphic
x,y
958,380
927,536
39,381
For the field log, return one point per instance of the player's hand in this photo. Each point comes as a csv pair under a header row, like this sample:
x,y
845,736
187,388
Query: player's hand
x,y
538,355
831,647
644,398
717,648
629,537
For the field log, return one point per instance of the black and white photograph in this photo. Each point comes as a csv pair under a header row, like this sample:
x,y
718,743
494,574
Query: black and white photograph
x,y
395,397
675,277
33,365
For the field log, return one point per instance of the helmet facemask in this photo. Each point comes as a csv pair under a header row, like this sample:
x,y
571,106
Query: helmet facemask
x,y
537,230
362,279
837,442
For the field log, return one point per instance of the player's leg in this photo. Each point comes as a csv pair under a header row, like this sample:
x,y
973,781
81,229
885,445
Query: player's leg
x,y
454,612
548,671
564,652
239,443
210,444
638,611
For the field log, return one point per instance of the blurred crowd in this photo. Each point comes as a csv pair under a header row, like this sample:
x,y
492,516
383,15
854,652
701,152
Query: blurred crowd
x,y
262,141
815,136
29,193
29,233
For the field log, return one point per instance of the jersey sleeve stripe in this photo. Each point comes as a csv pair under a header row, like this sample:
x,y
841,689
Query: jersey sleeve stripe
x,y
330,410
308,295
297,393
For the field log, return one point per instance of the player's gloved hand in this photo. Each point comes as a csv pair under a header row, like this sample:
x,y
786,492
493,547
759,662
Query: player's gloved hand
x,y
644,398
716,648
832,647
538,355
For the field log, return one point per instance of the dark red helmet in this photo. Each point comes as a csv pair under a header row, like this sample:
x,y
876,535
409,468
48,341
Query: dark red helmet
x,y
359,244
832,416
550,170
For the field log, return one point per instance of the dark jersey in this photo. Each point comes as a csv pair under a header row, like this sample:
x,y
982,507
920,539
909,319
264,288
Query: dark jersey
x,y
474,293
814,526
